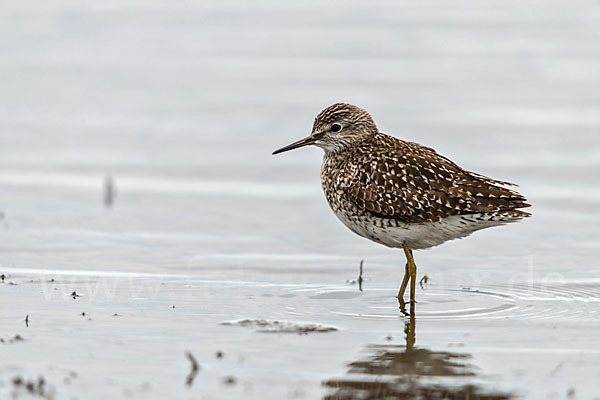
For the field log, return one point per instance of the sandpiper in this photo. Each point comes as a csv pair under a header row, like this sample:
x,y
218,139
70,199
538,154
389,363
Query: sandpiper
x,y
399,193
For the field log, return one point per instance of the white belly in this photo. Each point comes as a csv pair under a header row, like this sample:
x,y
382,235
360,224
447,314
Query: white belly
x,y
418,235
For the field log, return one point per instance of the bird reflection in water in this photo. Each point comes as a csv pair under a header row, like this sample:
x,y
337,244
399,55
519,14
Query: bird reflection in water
x,y
409,372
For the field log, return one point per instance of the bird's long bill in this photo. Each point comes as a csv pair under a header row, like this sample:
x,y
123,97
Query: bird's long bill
x,y
300,143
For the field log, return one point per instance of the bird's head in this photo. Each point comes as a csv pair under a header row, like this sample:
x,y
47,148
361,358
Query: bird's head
x,y
336,128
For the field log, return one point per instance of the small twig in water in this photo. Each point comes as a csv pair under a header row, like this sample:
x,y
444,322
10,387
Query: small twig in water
x,y
194,371
424,280
360,278
109,191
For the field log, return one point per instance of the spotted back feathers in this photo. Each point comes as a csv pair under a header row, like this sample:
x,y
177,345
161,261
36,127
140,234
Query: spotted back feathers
x,y
389,178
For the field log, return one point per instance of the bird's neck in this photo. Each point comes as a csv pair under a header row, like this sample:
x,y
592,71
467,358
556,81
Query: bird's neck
x,y
344,147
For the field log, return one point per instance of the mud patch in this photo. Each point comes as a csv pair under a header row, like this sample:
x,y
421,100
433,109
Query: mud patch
x,y
262,325
15,339
31,388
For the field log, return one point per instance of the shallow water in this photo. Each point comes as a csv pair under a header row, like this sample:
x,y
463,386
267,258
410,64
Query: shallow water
x,y
182,104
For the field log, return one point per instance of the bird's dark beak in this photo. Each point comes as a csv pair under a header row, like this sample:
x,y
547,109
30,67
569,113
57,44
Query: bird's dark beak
x,y
300,143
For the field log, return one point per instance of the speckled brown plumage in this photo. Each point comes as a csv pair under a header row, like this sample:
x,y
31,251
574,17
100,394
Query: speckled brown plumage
x,y
399,193
410,183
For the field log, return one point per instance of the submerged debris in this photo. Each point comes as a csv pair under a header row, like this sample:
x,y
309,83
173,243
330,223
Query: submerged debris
x,y
109,191
33,387
229,380
194,369
16,338
261,325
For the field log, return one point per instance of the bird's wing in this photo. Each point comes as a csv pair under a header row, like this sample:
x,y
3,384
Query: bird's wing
x,y
415,184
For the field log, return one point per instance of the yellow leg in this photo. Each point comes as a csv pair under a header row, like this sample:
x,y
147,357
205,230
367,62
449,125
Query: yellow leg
x,y
412,272
404,281
403,287
409,330
413,282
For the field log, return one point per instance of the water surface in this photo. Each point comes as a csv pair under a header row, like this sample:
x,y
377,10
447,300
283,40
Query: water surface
x,y
182,104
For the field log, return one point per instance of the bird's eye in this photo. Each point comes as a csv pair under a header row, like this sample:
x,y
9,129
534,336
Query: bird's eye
x,y
336,128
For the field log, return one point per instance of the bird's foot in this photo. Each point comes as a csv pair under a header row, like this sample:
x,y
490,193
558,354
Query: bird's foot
x,y
402,306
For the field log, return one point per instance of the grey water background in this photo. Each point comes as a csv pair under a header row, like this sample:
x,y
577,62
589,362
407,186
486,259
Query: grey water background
x,y
181,103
